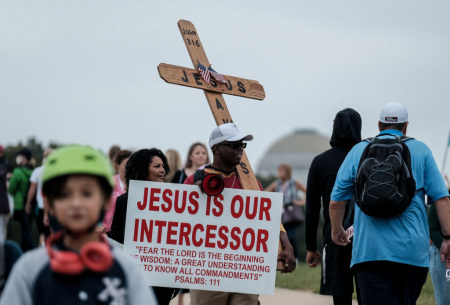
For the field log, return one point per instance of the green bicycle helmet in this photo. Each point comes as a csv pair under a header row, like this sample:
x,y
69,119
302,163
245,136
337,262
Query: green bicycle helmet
x,y
77,159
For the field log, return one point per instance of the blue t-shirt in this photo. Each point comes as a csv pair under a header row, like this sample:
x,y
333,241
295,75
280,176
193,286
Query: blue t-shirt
x,y
403,238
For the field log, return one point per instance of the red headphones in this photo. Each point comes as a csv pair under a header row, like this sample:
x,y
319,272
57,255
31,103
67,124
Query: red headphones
x,y
95,256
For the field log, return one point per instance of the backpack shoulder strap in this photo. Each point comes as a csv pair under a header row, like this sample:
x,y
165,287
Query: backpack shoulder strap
x,y
404,139
348,221
366,150
180,181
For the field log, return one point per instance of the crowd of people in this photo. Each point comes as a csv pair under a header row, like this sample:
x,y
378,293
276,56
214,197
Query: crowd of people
x,y
386,255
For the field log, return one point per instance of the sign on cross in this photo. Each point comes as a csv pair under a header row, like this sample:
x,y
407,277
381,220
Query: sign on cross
x,y
213,92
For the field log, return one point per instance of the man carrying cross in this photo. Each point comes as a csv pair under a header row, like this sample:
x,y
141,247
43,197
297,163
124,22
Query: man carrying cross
x,y
227,145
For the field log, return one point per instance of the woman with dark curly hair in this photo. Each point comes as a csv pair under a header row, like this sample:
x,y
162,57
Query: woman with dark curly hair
x,y
146,165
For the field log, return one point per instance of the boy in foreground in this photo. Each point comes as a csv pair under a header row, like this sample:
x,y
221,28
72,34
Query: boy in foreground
x,y
77,265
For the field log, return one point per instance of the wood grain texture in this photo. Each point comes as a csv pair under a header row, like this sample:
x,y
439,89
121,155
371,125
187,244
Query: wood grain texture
x,y
215,100
191,78
217,105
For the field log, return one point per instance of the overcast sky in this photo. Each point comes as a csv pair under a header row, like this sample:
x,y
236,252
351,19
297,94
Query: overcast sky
x,y
85,71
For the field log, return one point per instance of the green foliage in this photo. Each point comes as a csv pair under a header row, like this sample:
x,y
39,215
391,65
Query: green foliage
x,y
265,181
32,144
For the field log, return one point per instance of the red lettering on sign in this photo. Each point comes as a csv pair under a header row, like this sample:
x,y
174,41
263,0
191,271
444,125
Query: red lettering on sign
x,y
142,204
263,237
193,209
171,231
185,231
160,224
196,242
180,208
147,230
237,200
167,205
235,237
251,215
210,235
266,204
223,235
218,211
154,199
136,229
208,206
248,246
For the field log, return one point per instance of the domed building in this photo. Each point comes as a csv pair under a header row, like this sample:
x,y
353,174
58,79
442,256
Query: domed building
x,y
298,150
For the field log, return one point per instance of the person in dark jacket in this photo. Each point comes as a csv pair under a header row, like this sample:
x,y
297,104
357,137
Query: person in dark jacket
x,y
337,278
146,165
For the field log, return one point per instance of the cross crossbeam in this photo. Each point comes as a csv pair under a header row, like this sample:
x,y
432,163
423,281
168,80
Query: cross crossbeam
x,y
213,92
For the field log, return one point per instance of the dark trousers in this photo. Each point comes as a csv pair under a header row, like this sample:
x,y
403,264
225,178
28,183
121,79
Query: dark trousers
x,y
337,277
389,283
342,300
26,240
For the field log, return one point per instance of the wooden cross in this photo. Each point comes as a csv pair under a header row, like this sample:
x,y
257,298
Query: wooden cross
x,y
213,92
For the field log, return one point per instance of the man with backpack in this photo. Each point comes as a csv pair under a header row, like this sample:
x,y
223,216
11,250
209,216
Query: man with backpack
x,y
390,175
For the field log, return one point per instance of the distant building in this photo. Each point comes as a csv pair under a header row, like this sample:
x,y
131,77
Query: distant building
x,y
298,150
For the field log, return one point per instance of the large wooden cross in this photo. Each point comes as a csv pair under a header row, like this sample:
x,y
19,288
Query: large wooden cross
x,y
213,90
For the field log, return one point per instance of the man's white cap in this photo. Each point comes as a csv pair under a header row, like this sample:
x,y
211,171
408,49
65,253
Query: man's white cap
x,y
227,132
394,113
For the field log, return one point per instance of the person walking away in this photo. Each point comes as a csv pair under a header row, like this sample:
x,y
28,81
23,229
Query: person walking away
x,y
337,277
391,238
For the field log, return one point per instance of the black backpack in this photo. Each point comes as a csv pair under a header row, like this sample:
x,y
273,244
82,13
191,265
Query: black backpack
x,y
384,185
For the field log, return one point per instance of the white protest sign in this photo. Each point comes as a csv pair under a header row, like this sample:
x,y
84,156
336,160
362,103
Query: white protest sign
x,y
183,238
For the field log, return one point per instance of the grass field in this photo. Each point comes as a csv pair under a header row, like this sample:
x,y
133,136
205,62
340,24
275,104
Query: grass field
x,y
308,279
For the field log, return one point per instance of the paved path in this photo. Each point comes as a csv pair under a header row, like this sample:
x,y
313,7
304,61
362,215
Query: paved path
x,y
285,297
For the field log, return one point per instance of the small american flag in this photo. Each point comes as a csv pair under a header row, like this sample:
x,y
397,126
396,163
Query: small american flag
x,y
204,72
218,77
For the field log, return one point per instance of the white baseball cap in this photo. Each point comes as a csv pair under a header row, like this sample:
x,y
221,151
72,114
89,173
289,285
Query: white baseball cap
x,y
394,113
227,132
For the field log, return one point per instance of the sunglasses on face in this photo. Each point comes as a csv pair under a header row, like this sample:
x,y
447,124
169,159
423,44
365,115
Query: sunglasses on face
x,y
235,145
